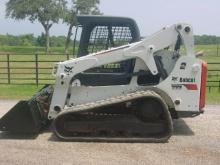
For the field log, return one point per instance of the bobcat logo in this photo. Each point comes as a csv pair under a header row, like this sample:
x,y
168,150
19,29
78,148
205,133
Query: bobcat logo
x,y
68,70
175,79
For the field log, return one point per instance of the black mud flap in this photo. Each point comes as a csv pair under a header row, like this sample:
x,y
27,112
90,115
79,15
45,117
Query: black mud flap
x,y
27,117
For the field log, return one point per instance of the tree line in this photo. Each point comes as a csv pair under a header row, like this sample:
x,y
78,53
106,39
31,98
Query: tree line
x,y
207,39
60,41
31,40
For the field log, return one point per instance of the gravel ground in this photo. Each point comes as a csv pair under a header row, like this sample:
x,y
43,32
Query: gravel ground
x,y
195,141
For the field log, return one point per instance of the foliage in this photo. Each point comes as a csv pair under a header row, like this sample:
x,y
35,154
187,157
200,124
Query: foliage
x,y
86,7
55,41
206,40
41,40
47,12
28,40
31,40
22,40
58,41
81,7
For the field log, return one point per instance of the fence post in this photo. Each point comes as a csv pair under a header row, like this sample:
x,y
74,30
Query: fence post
x,y
36,69
68,56
219,86
217,48
8,68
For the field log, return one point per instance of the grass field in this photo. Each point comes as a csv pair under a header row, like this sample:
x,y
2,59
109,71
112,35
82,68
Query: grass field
x,y
18,91
25,91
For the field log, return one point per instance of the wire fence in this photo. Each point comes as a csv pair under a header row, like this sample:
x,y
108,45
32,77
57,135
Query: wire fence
x,y
29,69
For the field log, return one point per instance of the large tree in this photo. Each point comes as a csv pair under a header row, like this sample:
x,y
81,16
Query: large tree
x,y
47,12
86,7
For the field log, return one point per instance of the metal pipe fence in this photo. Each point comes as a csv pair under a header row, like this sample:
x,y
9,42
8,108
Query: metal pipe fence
x,y
29,69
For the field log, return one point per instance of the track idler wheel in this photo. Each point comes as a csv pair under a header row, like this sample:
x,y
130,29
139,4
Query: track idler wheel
x,y
150,110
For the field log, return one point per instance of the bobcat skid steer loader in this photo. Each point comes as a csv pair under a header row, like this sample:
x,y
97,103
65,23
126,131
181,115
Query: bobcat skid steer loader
x,y
120,87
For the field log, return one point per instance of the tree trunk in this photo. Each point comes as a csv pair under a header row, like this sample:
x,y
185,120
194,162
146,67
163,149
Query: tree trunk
x,y
47,39
47,27
68,38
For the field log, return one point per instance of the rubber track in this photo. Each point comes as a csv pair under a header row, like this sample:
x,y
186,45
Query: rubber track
x,y
111,101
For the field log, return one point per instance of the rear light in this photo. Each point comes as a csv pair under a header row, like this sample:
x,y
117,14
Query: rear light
x,y
203,85
191,86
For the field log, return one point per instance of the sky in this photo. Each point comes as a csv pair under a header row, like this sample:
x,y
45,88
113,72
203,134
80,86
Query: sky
x,y
150,15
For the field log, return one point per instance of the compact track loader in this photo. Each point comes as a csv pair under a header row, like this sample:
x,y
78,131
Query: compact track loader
x,y
120,87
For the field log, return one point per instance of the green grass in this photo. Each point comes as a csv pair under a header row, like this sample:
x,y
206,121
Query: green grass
x,y
18,91
213,97
209,50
